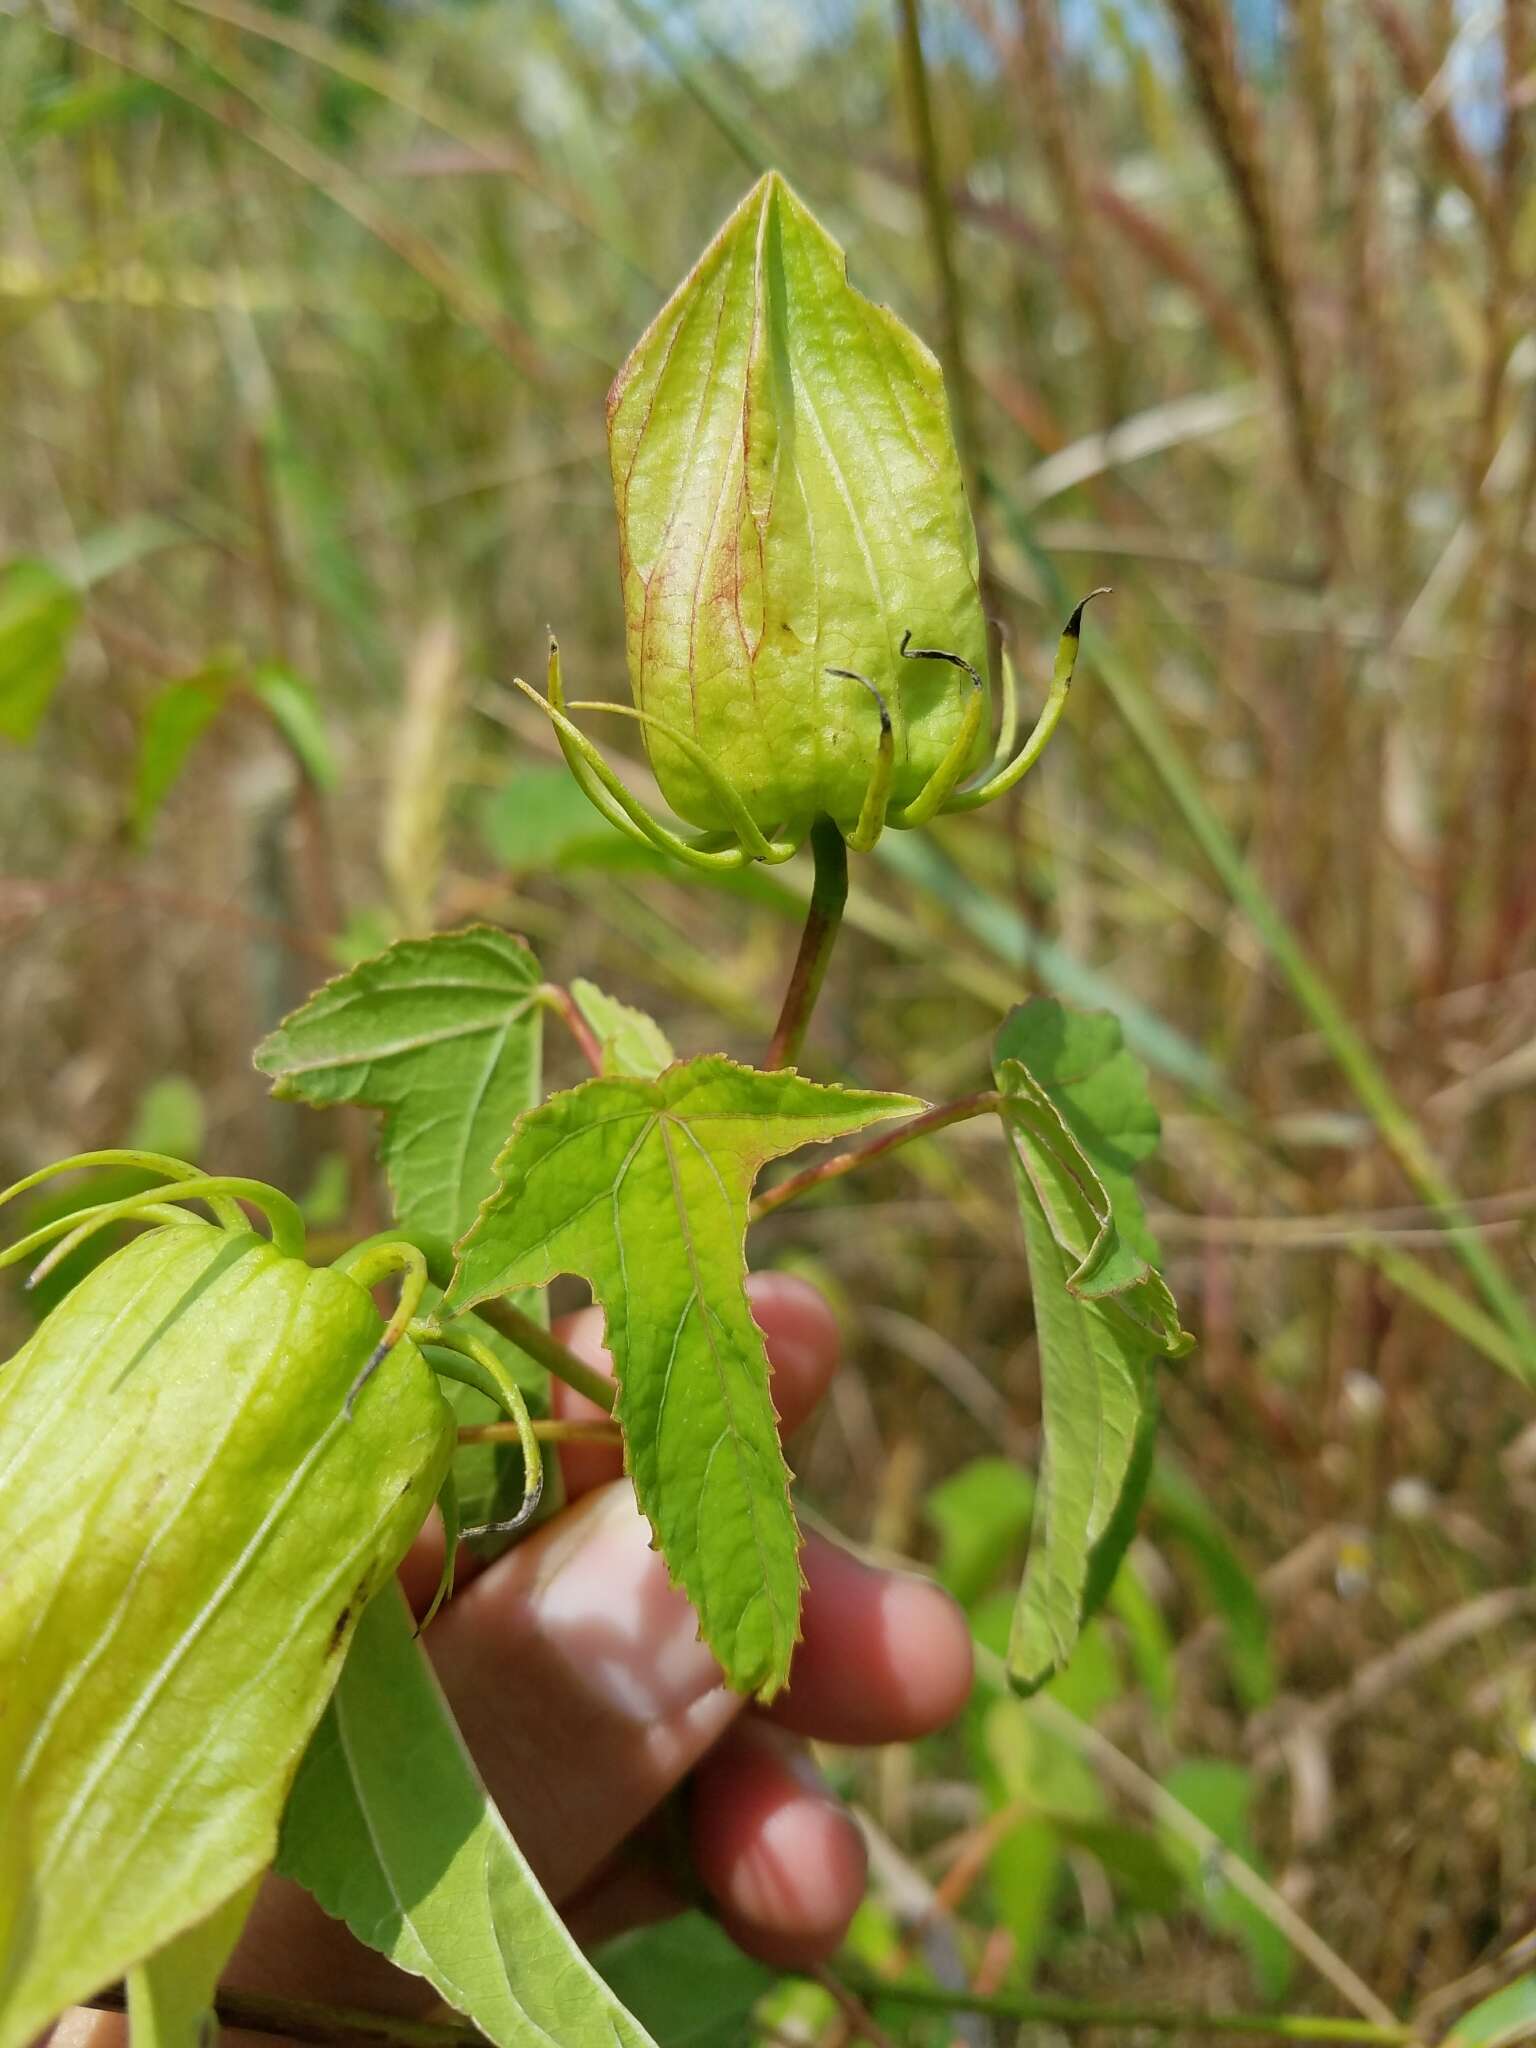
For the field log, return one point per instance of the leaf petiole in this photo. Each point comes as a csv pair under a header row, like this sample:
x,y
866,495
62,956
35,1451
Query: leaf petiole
x,y
937,1119
555,1357
560,1003
547,1432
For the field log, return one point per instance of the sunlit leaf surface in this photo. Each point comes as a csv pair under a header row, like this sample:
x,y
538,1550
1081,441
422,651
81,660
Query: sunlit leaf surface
x,y
642,1188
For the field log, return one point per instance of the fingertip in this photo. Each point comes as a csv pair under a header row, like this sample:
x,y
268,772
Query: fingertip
x,y
801,1337
883,1657
936,1647
782,1858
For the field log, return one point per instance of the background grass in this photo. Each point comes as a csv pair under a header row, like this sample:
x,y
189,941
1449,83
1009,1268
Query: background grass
x,y
306,318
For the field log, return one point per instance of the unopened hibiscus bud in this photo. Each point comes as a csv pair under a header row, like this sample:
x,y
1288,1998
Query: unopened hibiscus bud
x,y
790,502
804,628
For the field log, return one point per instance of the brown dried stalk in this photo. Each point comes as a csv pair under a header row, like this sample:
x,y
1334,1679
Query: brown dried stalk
x,y
1037,68
1314,76
1417,69
1226,103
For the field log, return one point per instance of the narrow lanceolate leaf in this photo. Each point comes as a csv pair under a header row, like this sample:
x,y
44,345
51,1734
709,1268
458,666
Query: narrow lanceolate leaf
x,y
173,725
632,1042
39,611
1078,1120
392,1831
190,1526
294,709
642,1186
443,1035
171,1993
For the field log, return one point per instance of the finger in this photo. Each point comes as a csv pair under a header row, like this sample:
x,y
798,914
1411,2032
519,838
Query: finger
x,y
781,1856
883,1656
800,1335
576,1650
575,1670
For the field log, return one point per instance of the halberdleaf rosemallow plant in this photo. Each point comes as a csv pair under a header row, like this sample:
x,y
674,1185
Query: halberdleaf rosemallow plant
x,y
213,1453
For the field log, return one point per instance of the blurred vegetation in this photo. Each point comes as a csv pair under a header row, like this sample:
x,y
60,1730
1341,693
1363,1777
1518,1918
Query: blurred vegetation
x,y
306,319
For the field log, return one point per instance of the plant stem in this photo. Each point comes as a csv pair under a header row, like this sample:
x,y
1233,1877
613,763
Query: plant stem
x,y
546,1432
1073,2012
563,1004
941,235
548,1351
327,2026
937,1119
829,892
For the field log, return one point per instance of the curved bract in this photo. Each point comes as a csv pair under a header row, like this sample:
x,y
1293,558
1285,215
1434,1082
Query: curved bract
x,y
803,621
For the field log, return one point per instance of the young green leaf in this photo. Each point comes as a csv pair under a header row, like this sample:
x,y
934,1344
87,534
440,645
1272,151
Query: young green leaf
x,y
1078,1120
1081,1121
291,704
443,1035
1507,2016
1092,1387
642,1188
175,722
688,1982
171,1993
39,611
632,1042
1221,1795
538,821
191,1524
420,1864
1186,1518
790,501
982,1515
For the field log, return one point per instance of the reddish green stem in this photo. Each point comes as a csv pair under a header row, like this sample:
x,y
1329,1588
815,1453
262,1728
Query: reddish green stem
x,y
548,1351
937,1119
829,892
563,1003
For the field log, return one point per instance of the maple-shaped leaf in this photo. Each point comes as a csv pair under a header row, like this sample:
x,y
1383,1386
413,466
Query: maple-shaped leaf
x,y
441,1034
642,1187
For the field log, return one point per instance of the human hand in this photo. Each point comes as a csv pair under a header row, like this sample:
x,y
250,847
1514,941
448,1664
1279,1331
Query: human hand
x,y
576,1674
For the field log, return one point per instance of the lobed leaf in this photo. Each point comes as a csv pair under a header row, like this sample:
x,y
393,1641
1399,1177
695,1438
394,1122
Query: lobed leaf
x,y
190,1526
392,1831
642,1187
443,1035
1078,1120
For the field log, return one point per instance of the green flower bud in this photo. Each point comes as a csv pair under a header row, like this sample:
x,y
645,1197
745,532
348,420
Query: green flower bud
x,y
804,627
193,1515
790,511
